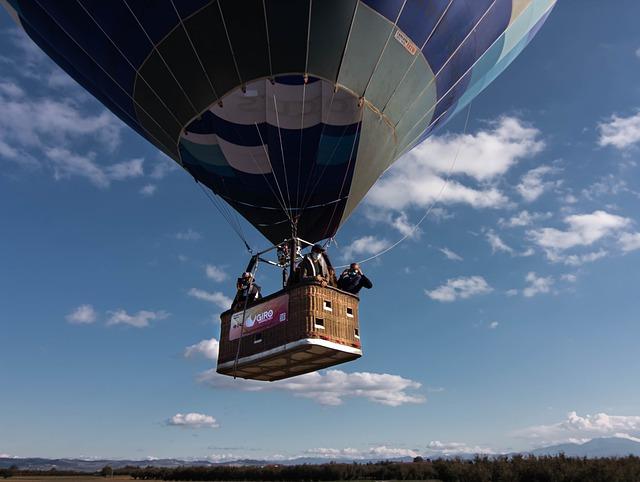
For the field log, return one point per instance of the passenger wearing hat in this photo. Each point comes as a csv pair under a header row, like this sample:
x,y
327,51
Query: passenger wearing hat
x,y
248,291
315,266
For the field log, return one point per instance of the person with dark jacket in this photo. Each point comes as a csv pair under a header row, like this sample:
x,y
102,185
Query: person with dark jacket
x,y
248,291
352,280
316,266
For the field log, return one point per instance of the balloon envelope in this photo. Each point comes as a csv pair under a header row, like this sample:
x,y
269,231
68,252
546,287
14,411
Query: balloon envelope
x,y
289,110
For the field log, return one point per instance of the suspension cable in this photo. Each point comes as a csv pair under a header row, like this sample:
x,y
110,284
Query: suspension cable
x,y
430,208
236,227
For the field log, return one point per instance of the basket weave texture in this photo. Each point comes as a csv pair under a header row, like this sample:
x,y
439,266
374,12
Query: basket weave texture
x,y
315,311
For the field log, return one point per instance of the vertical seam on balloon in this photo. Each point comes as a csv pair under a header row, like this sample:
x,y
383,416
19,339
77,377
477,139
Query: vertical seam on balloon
x,y
435,77
184,27
282,204
114,81
138,74
456,83
284,170
386,44
344,179
161,57
433,31
226,31
304,98
346,44
313,167
266,27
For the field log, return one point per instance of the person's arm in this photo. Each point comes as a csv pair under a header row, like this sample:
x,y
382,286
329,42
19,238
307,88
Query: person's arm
x,y
365,282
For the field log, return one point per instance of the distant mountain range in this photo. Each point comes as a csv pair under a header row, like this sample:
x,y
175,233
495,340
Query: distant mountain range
x,y
599,447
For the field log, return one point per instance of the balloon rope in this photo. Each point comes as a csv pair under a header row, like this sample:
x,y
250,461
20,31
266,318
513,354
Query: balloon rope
x,y
244,313
237,228
430,208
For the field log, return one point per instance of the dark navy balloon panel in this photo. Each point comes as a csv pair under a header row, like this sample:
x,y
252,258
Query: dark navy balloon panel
x,y
276,160
289,110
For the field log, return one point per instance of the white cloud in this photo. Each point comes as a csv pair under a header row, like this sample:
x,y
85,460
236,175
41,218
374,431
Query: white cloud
x,y
193,420
364,246
11,89
38,122
512,292
450,254
584,427
576,259
453,448
329,388
583,230
377,452
629,241
218,298
620,132
82,315
140,319
59,79
206,348
493,325
148,190
638,52
532,185
163,166
418,178
67,164
125,170
483,155
609,185
460,288
569,278
537,284
497,244
523,218
215,273
188,235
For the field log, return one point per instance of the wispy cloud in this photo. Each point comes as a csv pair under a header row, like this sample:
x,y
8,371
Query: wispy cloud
x,y
188,235
192,420
450,254
218,298
523,218
215,273
329,388
493,325
537,284
496,243
82,315
376,452
629,241
141,319
68,164
148,190
454,448
533,183
460,288
364,246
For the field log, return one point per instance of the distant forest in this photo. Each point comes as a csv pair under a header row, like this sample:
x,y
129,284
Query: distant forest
x,y
481,469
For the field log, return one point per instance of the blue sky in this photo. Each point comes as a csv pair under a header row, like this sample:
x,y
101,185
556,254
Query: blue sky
x,y
508,321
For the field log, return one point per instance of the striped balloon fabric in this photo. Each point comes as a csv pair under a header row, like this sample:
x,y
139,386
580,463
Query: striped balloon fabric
x,y
289,110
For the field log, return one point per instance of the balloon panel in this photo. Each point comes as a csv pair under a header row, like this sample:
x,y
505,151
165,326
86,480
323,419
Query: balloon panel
x,y
287,109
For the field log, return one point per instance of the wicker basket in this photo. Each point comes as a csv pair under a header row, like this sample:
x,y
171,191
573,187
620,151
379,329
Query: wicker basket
x,y
319,329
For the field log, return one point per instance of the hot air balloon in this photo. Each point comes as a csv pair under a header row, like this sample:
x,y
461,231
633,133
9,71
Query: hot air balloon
x,y
289,111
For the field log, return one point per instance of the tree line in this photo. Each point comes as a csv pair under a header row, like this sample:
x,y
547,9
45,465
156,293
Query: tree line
x,y
481,469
